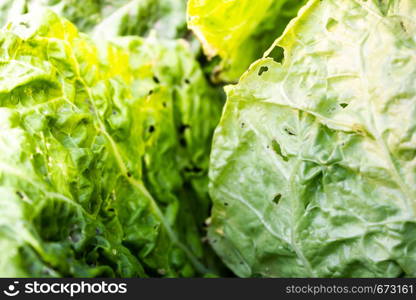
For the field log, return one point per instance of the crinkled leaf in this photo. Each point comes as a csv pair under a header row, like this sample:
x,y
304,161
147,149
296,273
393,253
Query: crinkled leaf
x,y
80,167
313,163
178,111
239,31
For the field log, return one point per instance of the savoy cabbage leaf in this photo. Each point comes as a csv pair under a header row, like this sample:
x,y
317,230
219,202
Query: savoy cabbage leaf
x,y
313,163
239,31
98,144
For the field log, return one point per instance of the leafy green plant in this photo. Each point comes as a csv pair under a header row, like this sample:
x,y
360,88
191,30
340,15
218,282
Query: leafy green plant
x,y
239,31
312,171
104,153
107,118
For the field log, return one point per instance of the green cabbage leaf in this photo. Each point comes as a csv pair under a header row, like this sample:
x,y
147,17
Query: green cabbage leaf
x,y
239,31
104,154
313,164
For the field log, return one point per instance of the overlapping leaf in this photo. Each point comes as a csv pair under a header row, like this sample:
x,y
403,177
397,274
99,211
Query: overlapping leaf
x,y
313,163
239,31
97,145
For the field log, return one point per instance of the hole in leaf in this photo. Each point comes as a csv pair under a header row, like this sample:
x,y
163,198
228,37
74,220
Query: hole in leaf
x,y
151,128
277,54
183,127
331,24
182,142
277,198
278,150
403,26
289,131
263,69
24,24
